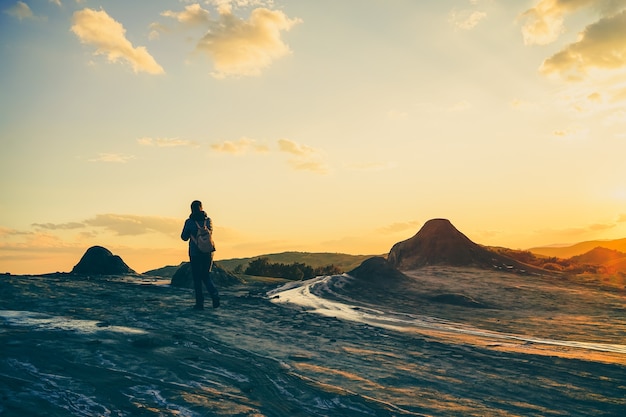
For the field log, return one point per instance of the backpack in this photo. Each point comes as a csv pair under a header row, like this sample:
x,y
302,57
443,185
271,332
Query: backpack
x,y
203,239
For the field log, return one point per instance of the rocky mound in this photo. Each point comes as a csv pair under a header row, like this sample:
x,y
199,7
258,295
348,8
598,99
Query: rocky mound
x,y
100,261
438,242
377,270
221,277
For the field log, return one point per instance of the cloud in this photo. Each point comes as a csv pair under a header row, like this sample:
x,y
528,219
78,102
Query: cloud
x,y
6,232
578,232
60,226
619,95
400,227
601,45
294,148
595,97
571,133
466,19
193,15
598,227
120,224
616,117
97,28
21,11
241,47
165,142
312,166
544,22
132,225
239,147
305,157
112,157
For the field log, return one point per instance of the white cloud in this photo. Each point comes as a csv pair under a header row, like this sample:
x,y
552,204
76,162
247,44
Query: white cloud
x,y
227,6
544,22
193,15
112,157
165,142
59,226
132,225
309,165
239,146
241,47
294,148
305,158
602,45
466,19
21,11
97,28
412,226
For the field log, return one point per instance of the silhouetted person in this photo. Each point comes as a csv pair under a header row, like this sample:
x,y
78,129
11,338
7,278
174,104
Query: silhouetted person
x,y
201,262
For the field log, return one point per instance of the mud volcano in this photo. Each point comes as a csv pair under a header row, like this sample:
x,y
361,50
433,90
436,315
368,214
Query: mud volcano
x,y
100,261
438,242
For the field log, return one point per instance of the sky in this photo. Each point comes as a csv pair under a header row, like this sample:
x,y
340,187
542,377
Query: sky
x,y
316,126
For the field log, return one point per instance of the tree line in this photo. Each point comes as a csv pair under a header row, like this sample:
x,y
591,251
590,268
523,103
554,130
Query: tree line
x,y
295,271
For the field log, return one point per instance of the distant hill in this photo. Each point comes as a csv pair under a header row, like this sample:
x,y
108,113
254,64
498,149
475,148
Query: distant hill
x,y
164,272
438,242
343,261
599,256
579,248
611,260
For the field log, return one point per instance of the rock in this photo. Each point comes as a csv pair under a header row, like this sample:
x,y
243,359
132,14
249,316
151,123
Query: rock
x,y
100,261
221,278
377,270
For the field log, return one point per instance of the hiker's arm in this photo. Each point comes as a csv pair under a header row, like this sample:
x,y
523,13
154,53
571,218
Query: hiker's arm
x,y
186,233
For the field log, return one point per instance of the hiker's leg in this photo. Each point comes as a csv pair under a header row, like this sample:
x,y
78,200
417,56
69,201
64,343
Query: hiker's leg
x,y
208,282
197,274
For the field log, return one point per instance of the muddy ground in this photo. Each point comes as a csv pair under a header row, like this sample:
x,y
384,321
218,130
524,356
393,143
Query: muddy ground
x,y
120,346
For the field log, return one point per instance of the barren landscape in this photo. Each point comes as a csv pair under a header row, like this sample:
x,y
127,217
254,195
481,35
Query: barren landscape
x,y
444,341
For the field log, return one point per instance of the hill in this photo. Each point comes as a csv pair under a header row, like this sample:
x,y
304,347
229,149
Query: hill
x,y
343,261
438,242
599,256
579,248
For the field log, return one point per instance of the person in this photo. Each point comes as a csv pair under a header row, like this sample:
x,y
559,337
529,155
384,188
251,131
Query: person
x,y
201,262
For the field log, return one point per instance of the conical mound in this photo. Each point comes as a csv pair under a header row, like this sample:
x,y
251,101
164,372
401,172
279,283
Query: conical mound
x,y
100,261
439,243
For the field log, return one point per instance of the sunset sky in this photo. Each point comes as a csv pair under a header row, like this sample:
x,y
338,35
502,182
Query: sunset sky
x,y
319,126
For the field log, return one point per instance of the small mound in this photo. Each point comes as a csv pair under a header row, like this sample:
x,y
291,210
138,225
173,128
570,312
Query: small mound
x,y
100,261
377,271
457,300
